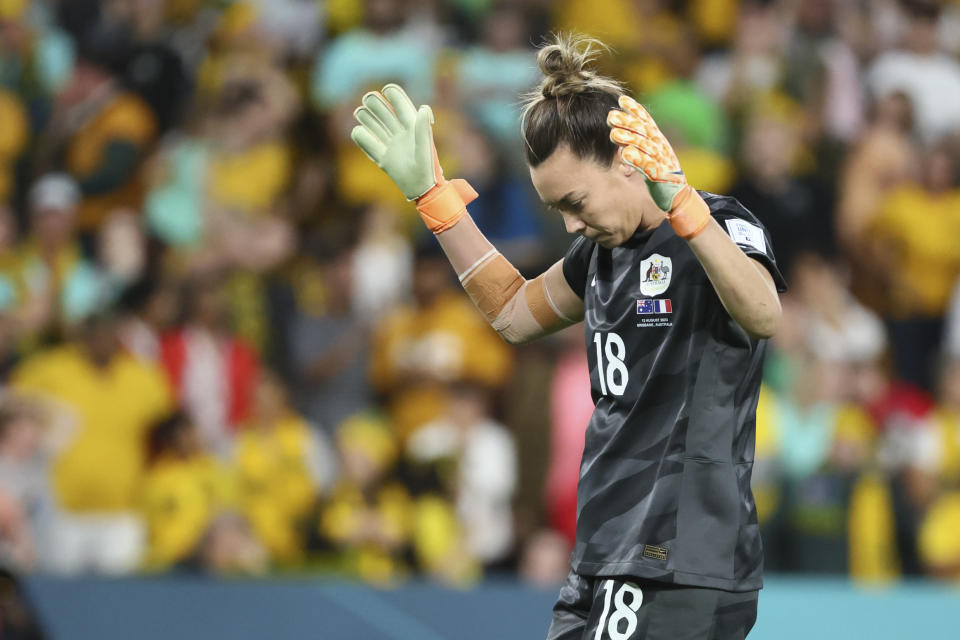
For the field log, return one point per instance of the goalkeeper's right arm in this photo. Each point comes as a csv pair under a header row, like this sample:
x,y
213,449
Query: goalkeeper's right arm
x,y
398,138
519,310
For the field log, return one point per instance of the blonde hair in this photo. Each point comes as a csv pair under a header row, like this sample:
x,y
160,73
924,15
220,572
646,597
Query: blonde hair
x,y
570,104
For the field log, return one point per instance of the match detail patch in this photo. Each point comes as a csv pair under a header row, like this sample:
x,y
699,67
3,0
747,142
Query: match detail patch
x,y
746,233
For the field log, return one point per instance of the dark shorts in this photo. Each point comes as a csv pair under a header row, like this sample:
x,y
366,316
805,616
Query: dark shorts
x,y
635,609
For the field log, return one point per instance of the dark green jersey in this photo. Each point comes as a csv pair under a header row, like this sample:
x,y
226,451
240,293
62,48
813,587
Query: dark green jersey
x,y
664,488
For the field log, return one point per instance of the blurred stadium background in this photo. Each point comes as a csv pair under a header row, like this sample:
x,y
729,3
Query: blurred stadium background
x,y
244,396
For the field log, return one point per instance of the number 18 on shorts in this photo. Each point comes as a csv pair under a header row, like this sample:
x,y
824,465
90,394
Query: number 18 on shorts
x,y
625,609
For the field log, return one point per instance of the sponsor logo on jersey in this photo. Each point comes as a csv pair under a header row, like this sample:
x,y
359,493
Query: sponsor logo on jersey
x,y
656,272
651,306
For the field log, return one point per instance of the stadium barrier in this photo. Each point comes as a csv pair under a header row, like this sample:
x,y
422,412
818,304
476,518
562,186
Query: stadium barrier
x,y
322,609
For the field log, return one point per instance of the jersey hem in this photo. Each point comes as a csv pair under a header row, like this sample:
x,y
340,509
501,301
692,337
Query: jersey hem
x,y
610,569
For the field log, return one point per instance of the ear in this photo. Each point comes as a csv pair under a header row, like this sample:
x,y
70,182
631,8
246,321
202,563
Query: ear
x,y
624,168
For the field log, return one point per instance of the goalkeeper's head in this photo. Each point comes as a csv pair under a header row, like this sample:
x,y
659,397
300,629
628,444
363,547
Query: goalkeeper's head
x,y
570,105
574,165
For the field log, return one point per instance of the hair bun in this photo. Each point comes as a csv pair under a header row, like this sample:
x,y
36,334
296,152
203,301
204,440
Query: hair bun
x,y
564,62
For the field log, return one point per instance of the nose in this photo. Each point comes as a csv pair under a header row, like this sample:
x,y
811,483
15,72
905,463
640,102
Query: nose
x,y
572,223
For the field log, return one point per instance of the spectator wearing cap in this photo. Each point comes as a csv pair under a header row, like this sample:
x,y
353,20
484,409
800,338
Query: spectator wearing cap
x,y
114,399
60,285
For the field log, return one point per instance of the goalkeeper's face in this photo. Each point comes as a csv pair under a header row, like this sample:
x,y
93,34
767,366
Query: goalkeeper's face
x,y
605,204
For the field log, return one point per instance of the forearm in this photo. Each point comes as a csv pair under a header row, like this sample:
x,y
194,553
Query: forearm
x,y
743,285
519,310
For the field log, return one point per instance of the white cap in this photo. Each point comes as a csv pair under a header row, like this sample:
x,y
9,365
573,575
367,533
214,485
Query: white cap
x,y
54,191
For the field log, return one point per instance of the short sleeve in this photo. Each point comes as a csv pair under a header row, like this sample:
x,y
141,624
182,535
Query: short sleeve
x,y
576,263
747,232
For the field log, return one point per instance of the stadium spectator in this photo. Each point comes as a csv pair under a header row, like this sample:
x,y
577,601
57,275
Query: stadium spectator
x,y
102,131
919,68
883,158
29,436
920,261
328,344
114,398
505,210
493,73
61,286
438,338
359,59
836,327
229,548
382,265
149,308
13,139
366,520
368,55
792,208
283,465
939,550
483,456
213,371
821,444
184,490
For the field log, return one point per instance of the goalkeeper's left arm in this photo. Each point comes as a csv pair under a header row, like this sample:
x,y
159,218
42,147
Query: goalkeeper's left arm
x,y
398,138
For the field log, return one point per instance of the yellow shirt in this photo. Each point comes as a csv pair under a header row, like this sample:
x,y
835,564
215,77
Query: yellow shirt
x,y
180,498
872,531
13,138
101,467
346,519
921,231
948,425
126,118
938,543
416,350
252,180
277,489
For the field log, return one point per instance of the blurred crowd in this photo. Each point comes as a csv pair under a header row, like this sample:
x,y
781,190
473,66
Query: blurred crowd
x,y
227,345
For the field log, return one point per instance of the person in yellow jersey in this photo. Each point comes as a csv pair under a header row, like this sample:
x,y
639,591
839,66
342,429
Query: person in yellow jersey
x,y
283,464
437,339
914,244
102,132
184,490
946,421
380,529
114,398
939,545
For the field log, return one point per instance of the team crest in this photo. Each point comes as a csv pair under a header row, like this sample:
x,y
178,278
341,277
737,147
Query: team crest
x,y
656,272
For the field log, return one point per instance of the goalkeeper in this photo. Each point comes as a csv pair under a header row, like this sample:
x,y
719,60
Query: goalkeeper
x,y
678,291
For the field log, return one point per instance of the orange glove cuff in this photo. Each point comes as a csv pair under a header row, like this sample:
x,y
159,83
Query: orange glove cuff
x,y
442,206
690,214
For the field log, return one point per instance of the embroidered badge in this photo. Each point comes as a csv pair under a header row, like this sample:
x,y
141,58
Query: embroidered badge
x,y
656,272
